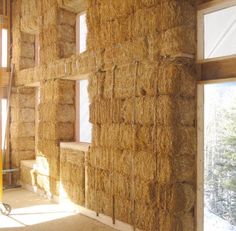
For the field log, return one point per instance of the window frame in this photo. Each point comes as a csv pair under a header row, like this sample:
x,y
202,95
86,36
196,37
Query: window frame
x,y
204,9
78,32
210,71
77,111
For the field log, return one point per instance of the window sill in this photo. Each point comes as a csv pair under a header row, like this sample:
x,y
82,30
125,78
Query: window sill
x,y
84,147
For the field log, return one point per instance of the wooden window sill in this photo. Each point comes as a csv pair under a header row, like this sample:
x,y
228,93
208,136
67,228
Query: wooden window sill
x,y
84,147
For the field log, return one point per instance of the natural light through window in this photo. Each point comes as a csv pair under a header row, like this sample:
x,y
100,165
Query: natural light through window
x,y
85,126
82,35
220,33
220,157
4,47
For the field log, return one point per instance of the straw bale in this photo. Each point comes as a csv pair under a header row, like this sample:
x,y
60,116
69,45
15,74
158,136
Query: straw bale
x,y
65,91
144,110
103,203
27,50
22,115
54,166
146,80
66,17
176,198
66,33
103,179
27,176
125,140
177,13
91,200
123,208
187,111
166,110
122,160
100,157
109,135
169,79
23,143
27,38
22,130
145,165
146,217
73,5
187,141
144,137
188,221
184,168
18,156
188,83
47,147
147,21
30,12
26,63
122,186
178,40
166,140
90,173
96,135
67,49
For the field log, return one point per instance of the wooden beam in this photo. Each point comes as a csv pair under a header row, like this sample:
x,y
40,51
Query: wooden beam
x,y
219,69
4,78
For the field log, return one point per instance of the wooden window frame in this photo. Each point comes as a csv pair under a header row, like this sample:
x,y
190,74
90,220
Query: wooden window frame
x,y
219,68
77,109
210,71
78,31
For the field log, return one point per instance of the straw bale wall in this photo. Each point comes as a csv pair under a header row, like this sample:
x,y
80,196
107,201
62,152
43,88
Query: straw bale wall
x,y
72,166
142,86
56,124
141,167
22,125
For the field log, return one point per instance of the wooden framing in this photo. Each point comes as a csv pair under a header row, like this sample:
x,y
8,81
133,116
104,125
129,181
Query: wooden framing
x,y
213,70
200,158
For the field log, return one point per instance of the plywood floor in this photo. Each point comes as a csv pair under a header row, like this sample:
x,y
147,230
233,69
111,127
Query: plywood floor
x,y
32,212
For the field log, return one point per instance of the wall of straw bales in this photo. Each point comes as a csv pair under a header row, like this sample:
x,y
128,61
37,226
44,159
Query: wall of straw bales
x,y
72,165
56,124
141,168
22,128
140,62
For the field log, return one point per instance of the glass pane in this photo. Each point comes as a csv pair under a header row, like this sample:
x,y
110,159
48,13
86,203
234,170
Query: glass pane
x,y
85,126
83,33
220,157
4,48
220,33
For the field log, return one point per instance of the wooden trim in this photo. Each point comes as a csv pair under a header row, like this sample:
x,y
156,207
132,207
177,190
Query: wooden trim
x,y
220,69
215,5
200,158
215,81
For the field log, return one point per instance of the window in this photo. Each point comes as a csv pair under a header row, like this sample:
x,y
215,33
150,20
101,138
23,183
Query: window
x,y
81,33
83,126
4,48
217,30
218,168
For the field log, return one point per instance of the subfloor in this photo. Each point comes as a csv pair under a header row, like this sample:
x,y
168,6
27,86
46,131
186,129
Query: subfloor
x,y
32,212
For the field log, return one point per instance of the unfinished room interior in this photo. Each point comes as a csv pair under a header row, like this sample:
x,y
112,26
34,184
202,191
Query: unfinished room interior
x,y
118,115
